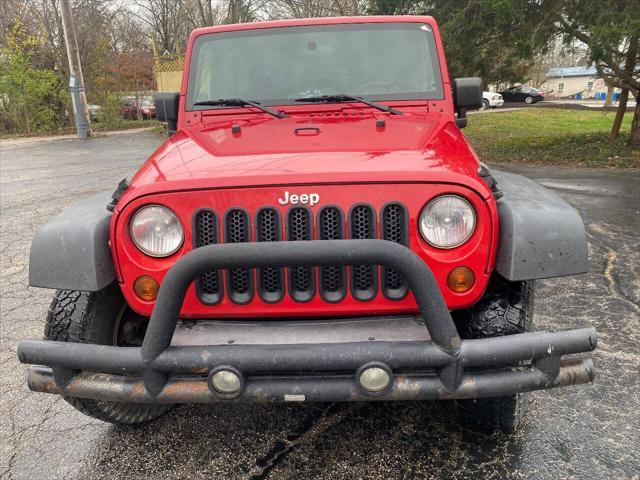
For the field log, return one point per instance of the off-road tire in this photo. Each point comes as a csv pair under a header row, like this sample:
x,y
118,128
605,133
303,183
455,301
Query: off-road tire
x,y
506,309
90,317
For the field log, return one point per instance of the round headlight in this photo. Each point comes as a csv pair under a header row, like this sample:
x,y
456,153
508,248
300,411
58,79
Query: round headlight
x,y
156,231
447,221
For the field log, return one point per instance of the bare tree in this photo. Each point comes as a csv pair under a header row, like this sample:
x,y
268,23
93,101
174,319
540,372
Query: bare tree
x,y
93,20
205,11
556,55
10,10
316,8
164,19
244,11
46,15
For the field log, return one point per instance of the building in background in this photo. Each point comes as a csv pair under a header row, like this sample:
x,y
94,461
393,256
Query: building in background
x,y
577,82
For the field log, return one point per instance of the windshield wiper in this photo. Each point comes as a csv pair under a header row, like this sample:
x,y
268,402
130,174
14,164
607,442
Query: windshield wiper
x,y
239,102
348,98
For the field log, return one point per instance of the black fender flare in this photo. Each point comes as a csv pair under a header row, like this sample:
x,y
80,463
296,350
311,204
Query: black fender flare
x,y
541,235
71,251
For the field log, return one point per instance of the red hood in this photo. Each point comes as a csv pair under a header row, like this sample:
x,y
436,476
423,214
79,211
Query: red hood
x,y
347,149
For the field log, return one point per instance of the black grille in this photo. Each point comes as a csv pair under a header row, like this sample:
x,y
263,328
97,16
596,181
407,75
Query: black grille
x,y
208,286
268,230
332,278
239,280
363,277
330,225
393,220
301,279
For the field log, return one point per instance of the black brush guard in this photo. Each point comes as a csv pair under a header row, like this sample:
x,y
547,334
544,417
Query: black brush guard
x,y
445,367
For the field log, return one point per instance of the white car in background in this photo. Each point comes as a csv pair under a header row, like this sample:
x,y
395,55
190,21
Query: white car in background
x,y
491,100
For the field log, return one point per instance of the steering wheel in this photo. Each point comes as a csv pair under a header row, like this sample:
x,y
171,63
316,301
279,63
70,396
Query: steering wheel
x,y
387,87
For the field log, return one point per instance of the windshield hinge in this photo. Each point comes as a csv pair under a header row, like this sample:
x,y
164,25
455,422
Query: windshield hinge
x,y
194,118
119,191
490,180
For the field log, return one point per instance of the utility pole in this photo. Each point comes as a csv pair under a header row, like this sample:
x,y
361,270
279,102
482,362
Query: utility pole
x,y
76,82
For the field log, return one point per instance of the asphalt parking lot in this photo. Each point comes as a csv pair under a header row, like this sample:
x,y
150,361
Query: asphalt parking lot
x,y
578,432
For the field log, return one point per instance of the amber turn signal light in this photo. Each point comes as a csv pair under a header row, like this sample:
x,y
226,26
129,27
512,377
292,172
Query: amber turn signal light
x,y
146,288
461,279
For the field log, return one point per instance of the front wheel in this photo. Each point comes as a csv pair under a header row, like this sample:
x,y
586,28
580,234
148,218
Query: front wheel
x,y
102,318
506,309
485,105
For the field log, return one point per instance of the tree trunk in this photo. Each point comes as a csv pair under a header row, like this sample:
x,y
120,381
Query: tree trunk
x,y
233,11
209,13
203,20
624,95
622,108
634,136
609,100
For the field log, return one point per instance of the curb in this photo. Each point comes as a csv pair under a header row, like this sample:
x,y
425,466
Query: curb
x,y
9,142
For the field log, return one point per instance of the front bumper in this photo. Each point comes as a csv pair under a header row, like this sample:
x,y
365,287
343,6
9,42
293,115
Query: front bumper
x,y
434,365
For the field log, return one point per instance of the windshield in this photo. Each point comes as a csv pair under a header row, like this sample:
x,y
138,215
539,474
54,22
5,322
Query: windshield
x,y
378,61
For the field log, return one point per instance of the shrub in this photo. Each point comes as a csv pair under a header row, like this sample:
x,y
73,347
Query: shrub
x,y
31,99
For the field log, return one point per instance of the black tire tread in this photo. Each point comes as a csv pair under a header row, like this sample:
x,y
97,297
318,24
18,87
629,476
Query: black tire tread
x,y
75,317
505,309
503,413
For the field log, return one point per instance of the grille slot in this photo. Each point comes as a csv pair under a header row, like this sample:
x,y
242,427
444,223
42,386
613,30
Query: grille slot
x,y
208,286
239,280
394,227
301,279
363,277
332,277
268,229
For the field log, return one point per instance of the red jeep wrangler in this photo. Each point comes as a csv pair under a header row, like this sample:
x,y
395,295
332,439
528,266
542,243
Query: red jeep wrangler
x,y
317,228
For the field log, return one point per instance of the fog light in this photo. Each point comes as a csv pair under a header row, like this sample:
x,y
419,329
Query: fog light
x,y
461,279
146,288
374,379
226,382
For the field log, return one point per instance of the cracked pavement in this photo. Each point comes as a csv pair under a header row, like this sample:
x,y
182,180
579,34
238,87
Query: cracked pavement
x,y
577,432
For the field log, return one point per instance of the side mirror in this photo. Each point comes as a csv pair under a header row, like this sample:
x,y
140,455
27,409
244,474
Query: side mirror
x,y
467,95
167,105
